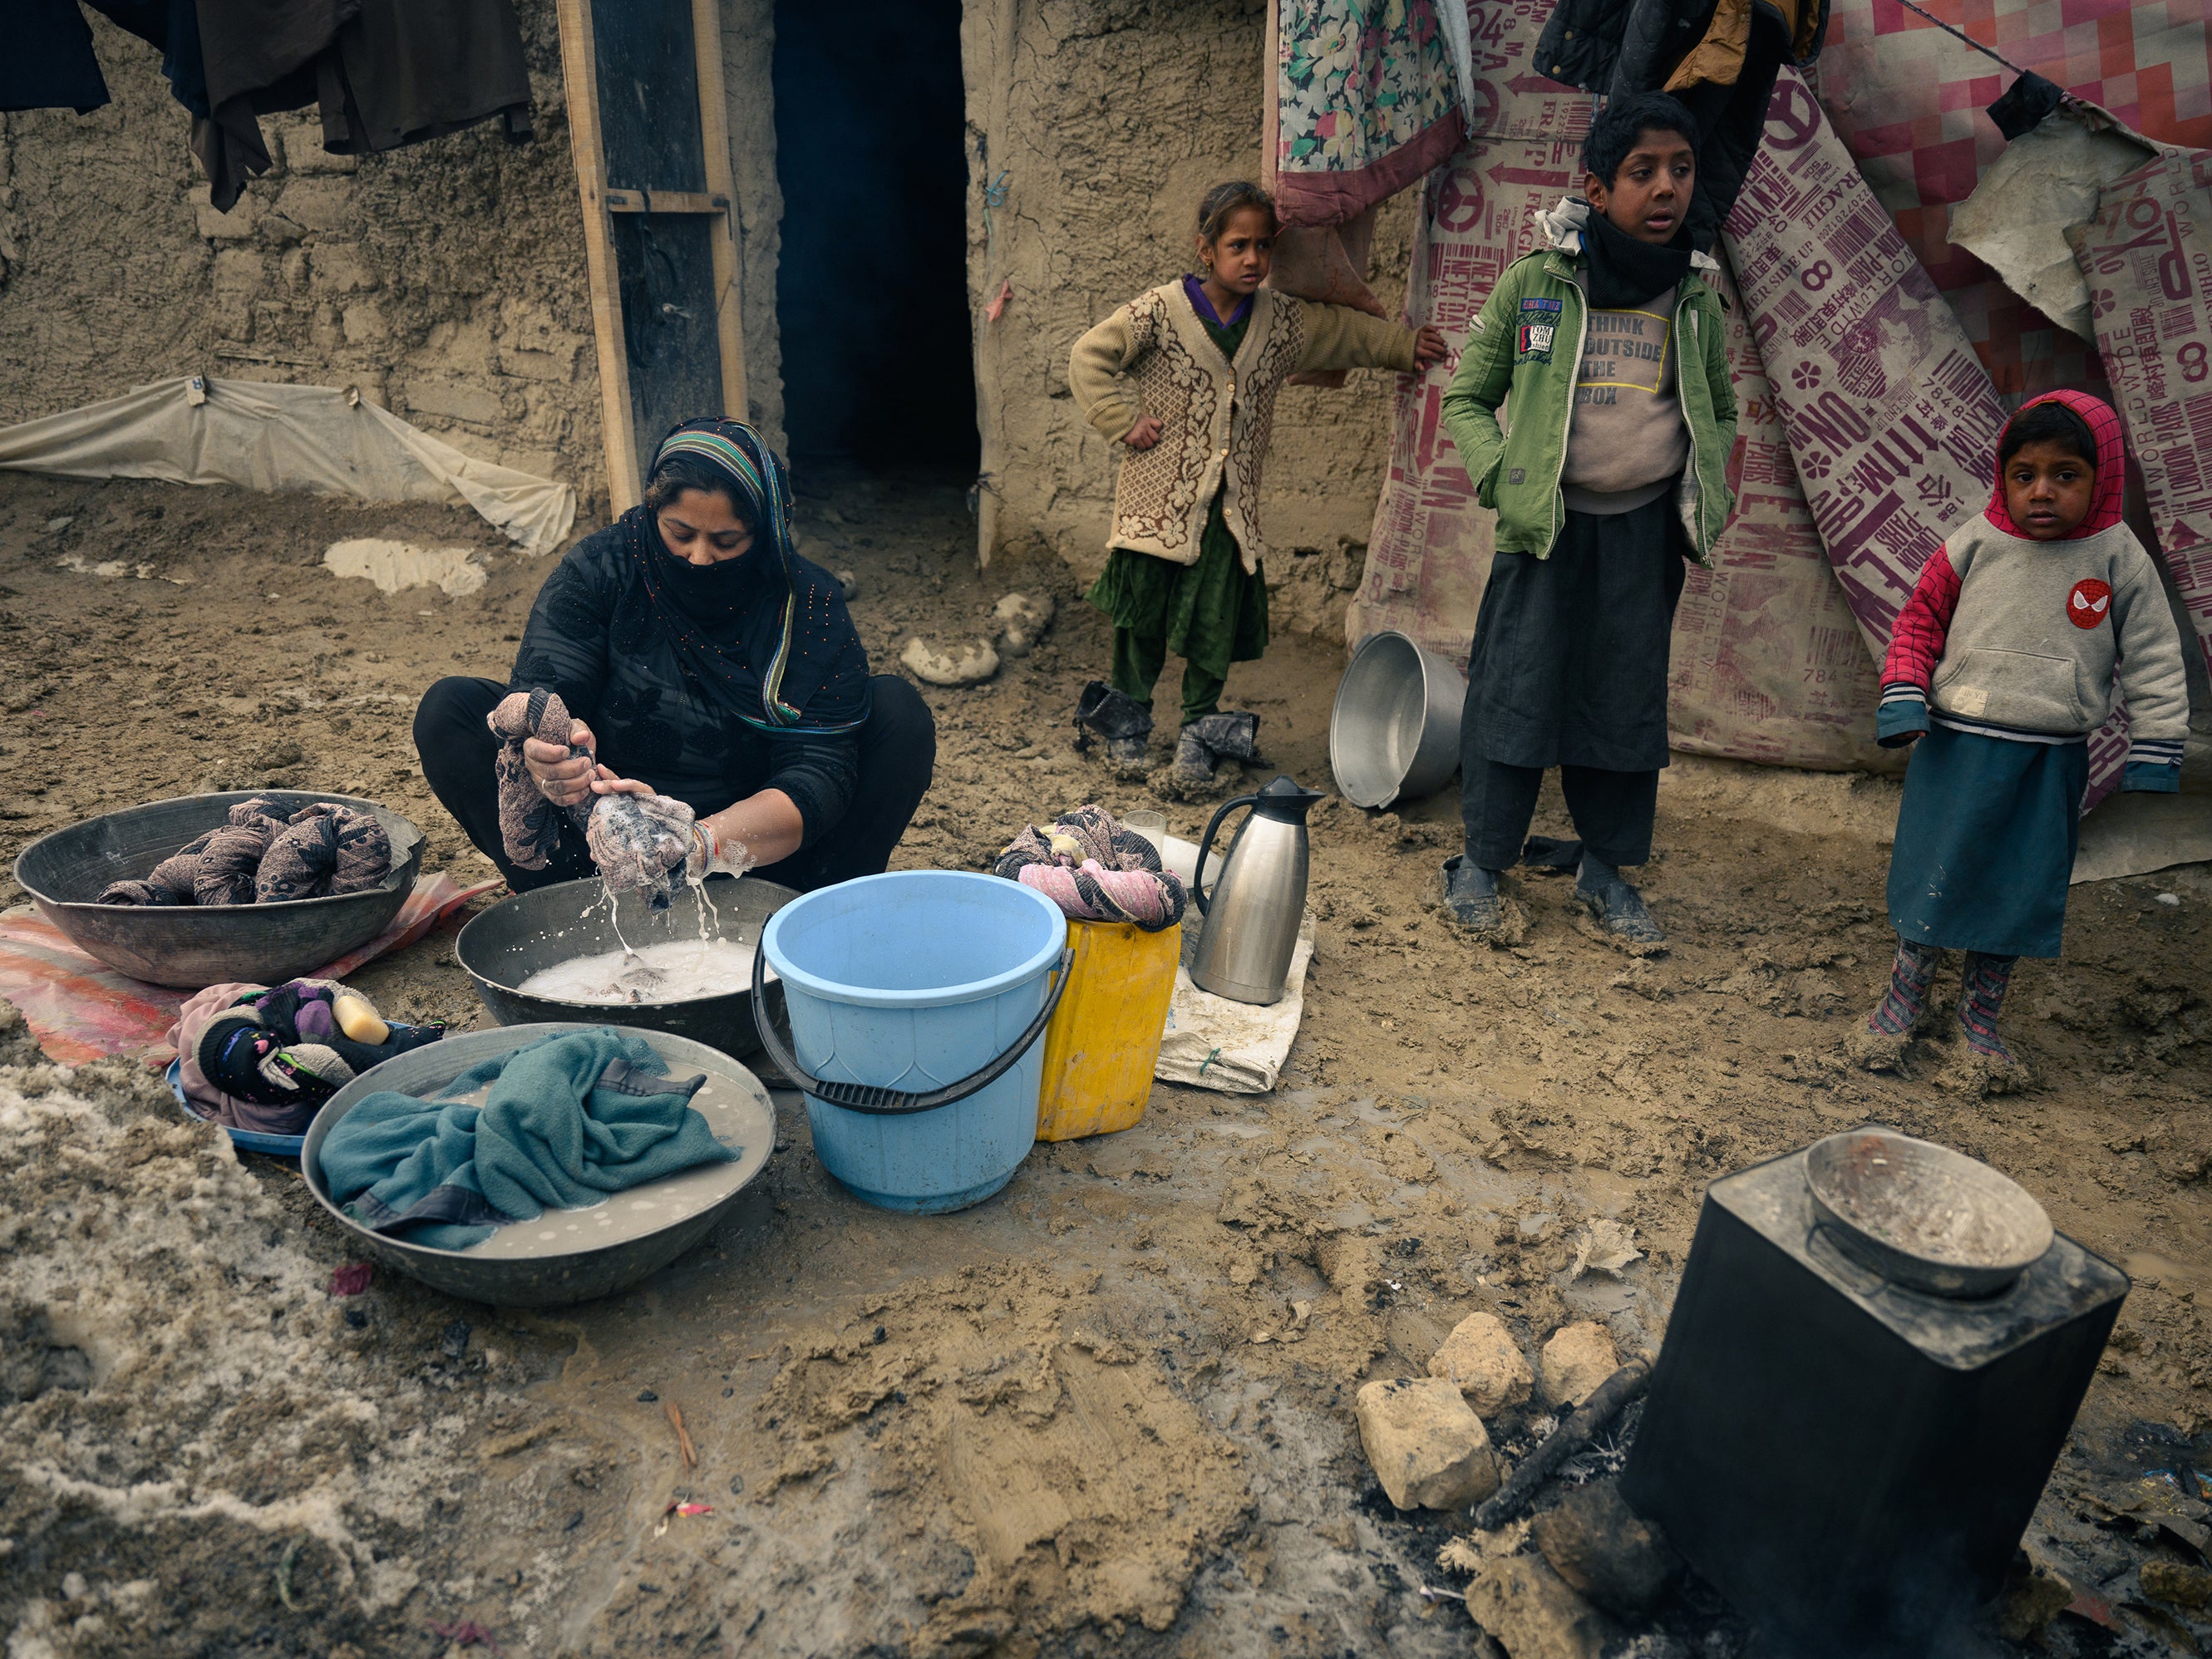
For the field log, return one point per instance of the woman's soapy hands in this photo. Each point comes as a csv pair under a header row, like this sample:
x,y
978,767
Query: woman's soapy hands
x,y
564,774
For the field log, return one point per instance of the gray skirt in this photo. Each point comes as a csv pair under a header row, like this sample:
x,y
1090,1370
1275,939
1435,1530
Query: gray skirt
x,y
1569,666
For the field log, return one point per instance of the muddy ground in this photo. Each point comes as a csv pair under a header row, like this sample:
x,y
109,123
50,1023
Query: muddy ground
x,y
1085,1416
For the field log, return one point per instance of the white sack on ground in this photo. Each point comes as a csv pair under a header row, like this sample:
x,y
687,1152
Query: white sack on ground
x,y
262,435
2046,180
1238,1048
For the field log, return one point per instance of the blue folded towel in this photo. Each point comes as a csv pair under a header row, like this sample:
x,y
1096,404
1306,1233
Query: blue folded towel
x,y
561,1123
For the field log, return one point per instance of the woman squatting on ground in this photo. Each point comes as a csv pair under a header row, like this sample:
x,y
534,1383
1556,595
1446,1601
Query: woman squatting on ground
x,y
712,673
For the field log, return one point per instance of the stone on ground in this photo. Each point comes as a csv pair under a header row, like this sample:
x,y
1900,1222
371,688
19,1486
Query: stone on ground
x,y
2176,1583
1574,1362
1532,1611
1481,1358
2033,1597
969,663
1021,619
1427,1447
1606,1550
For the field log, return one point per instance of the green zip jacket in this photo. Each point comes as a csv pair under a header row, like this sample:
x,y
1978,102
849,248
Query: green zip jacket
x,y
1518,472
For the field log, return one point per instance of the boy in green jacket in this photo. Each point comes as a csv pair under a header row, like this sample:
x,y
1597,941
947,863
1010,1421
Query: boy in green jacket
x,y
1612,470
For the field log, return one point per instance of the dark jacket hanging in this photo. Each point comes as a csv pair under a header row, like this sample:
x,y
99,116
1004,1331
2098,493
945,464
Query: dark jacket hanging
x,y
404,70
259,57
49,63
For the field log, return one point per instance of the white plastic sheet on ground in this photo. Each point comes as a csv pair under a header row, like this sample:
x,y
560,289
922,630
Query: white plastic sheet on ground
x,y
1238,1048
320,439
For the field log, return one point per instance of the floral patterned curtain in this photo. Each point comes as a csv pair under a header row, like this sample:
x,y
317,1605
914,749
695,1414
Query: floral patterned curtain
x,y
1365,104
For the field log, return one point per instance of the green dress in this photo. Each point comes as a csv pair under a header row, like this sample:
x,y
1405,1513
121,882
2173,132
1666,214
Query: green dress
x,y
1210,614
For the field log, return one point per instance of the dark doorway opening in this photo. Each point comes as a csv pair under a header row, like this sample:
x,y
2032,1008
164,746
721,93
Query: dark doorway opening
x,y
872,289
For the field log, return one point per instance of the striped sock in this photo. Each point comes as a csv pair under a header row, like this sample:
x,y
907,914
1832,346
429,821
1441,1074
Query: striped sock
x,y
1981,998
1909,979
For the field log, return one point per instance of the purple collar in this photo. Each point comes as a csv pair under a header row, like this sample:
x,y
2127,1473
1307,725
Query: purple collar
x,y
1204,307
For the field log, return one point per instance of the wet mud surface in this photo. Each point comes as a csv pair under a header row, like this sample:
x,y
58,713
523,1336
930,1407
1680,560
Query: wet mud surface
x,y
1108,1410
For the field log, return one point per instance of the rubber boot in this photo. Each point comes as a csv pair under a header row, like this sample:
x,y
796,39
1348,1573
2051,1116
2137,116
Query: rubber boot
x,y
1617,908
1211,738
1125,723
1879,1045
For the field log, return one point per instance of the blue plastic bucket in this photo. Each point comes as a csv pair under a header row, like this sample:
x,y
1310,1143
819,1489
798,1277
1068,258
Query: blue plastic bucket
x,y
905,985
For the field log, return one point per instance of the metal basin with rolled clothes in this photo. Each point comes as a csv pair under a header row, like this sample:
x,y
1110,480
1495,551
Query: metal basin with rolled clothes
x,y
523,935
187,946
1394,730
565,1255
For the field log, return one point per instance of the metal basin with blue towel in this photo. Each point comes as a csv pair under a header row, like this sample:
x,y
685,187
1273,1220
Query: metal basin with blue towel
x,y
566,1255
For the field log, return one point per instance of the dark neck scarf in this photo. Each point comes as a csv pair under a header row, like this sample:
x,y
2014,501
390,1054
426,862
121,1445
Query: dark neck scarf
x,y
766,634
1196,288
1624,273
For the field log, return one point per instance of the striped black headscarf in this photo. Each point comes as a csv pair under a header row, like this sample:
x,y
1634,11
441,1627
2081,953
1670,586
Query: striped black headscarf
x,y
766,634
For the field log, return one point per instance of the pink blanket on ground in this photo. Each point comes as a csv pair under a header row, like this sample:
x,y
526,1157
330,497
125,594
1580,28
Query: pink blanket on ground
x,y
80,1009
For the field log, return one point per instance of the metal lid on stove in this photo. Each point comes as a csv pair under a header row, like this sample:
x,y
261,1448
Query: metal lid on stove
x,y
1924,1216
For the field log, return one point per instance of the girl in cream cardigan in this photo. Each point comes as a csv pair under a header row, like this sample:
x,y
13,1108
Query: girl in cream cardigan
x,y
1185,376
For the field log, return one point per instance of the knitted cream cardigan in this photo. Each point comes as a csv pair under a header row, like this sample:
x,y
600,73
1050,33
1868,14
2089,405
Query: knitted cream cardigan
x,y
1216,418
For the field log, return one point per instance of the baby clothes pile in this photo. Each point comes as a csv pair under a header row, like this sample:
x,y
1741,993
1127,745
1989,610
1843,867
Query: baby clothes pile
x,y
267,1058
260,858
1095,870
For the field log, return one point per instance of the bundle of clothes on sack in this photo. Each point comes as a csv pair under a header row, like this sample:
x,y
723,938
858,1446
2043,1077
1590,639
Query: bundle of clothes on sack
x,y
1095,870
260,858
561,1124
267,1058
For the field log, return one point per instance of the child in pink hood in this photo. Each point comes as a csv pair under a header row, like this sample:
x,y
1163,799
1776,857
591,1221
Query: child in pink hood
x,y
2003,663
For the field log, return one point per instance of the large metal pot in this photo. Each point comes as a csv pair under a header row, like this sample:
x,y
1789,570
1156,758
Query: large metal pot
x,y
1394,732
508,942
189,947
568,1255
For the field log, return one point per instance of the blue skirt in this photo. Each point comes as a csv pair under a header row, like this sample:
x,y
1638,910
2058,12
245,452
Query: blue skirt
x,y
1985,844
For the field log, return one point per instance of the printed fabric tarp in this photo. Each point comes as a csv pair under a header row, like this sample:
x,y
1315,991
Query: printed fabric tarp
x,y
1364,102
80,1009
1892,421
1908,100
2146,254
1767,663
261,435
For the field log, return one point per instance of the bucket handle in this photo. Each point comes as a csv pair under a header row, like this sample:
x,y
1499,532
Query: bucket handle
x,y
875,1099
1206,845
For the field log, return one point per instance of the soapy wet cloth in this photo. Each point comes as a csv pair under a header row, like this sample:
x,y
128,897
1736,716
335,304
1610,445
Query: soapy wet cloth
x,y
560,1124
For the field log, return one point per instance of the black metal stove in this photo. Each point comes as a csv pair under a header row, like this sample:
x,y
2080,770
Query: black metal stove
x,y
1849,1461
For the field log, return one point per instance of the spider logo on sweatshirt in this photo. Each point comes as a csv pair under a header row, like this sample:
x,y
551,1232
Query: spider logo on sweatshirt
x,y
2090,602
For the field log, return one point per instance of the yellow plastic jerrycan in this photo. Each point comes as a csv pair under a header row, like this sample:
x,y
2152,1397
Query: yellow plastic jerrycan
x,y
1105,1038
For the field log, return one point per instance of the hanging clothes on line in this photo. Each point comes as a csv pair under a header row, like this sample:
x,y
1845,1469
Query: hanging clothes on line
x,y
404,70
259,60
49,63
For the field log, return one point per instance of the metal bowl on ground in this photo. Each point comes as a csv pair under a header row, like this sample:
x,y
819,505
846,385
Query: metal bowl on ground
x,y
189,947
1394,732
565,1255
1924,1216
531,932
